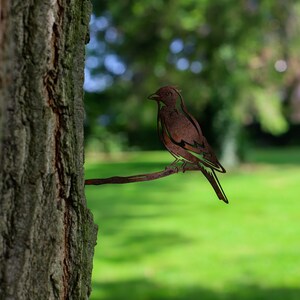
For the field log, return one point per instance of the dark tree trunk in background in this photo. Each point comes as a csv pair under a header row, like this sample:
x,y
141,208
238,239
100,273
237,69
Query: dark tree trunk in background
x,y
47,234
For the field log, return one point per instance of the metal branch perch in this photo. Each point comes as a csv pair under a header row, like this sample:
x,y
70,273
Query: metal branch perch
x,y
141,177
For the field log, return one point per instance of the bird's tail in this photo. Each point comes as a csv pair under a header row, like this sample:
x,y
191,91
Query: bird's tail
x,y
214,181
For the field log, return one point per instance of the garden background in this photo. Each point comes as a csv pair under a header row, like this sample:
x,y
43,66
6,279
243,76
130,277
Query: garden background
x,y
237,66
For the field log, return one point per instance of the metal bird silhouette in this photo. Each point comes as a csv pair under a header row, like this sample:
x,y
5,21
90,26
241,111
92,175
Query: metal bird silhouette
x,y
182,136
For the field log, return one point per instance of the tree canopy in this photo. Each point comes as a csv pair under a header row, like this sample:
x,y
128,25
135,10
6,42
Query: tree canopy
x,y
235,62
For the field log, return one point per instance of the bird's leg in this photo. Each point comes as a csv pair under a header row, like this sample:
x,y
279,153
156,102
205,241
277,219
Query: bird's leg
x,y
186,165
173,165
183,166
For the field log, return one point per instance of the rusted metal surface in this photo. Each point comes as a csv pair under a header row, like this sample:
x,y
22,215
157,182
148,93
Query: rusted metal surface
x,y
182,136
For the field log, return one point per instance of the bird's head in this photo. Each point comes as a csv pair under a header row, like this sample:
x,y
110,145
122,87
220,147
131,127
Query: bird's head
x,y
166,94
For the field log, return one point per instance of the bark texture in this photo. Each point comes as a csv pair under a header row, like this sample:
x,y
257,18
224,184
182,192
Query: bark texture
x,y
47,235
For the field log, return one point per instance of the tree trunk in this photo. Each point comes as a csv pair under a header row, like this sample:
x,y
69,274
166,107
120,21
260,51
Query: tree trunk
x,y
230,144
47,235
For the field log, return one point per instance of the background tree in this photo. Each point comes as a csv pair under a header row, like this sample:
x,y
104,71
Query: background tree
x,y
233,62
47,233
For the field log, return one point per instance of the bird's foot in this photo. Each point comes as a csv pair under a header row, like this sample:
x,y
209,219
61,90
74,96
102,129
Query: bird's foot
x,y
173,166
183,166
189,166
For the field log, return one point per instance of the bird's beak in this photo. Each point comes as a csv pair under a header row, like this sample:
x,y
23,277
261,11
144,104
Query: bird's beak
x,y
154,97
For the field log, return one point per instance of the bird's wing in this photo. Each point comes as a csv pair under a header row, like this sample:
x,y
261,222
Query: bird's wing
x,y
187,134
203,148
205,154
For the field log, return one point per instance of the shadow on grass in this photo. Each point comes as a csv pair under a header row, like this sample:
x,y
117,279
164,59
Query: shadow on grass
x,y
140,245
148,290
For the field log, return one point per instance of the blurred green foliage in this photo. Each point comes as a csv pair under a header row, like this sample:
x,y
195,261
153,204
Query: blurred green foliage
x,y
236,63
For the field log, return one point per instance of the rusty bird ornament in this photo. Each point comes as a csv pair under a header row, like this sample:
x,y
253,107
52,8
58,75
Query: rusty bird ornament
x,y
182,136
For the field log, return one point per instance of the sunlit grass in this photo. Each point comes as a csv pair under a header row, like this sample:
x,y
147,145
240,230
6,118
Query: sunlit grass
x,y
173,239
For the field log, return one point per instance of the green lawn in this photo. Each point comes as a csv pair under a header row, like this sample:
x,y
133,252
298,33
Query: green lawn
x,y
173,239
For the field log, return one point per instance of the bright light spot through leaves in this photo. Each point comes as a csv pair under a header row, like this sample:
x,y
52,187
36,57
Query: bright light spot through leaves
x,y
280,65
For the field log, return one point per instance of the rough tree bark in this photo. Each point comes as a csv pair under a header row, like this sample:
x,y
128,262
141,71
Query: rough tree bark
x,y
47,234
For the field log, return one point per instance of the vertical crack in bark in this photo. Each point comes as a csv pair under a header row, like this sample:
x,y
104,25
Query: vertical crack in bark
x,y
53,82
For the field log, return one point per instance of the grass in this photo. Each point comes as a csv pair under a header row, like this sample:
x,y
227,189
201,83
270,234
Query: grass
x,y
173,239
